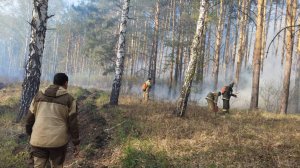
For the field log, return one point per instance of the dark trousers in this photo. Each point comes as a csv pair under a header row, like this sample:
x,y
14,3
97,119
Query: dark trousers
x,y
226,105
56,156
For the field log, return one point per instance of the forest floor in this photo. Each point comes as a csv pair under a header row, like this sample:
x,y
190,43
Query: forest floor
x,y
136,134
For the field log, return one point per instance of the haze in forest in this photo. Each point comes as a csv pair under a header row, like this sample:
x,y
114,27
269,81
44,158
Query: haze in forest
x,y
82,43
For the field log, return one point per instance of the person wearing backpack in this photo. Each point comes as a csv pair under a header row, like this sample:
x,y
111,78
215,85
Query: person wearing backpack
x,y
212,101
226,92
146,89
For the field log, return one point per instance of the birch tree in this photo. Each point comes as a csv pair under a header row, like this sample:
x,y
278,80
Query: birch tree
x,y
31,81
189,75
116,87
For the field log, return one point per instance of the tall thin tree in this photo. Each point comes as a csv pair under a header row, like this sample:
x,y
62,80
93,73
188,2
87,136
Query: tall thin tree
x,y
116,86
291,13
218,45
257,56
31,81
189,75
153,58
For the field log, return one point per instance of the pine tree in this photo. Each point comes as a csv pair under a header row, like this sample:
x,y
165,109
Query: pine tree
x,y
257,55
291,14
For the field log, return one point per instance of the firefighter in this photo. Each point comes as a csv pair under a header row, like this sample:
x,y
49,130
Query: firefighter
x,y
212,101
146,89
227,92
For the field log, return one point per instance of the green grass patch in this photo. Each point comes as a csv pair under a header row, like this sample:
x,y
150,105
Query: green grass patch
x,y
144,156
8,158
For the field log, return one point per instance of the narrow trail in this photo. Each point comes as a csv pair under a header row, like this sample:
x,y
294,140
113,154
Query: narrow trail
x,y
94,139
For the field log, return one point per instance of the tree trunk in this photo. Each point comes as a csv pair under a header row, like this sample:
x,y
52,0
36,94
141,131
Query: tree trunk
x,y
200,58
257,56
280,26
297,77
297,82
186,88
173,45
31,81
283,49
162,45
153,58
291,13
218,45
179,27
265,33
227,43
208,50
116,87
241,50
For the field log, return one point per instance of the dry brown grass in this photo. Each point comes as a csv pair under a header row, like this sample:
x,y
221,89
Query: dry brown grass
x,y
144,134
240,139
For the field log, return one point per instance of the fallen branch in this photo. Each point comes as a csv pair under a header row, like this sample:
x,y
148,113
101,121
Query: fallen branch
x,y
109,129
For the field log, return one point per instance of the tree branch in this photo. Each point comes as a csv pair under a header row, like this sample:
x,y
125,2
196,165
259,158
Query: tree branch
x,y
48,17
278,35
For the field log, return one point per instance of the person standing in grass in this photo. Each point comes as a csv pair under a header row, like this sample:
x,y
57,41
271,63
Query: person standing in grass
x,y
51,120
212,101
146,89
227,92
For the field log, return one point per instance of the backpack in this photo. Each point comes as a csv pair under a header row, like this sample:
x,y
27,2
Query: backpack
x,y
224,89
144,86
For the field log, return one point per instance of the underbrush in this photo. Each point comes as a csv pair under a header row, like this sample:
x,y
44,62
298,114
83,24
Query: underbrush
x,y
201,139
139,134
12,141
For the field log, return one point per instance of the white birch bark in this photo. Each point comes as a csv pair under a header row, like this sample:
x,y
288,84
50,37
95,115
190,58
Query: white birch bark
x,y
116,87
190,72
31,82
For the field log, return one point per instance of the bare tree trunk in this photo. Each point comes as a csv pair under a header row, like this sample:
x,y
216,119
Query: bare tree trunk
x,y
276,12
31,81
145,48
116,87
241,50
68,53
162,45
264,36
200,57
218,45
153,58
257,56
249,46
208,49
297,83
234,55
186,88
297,77
278,39
227,43
173,45
284,45
179,27
291,13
